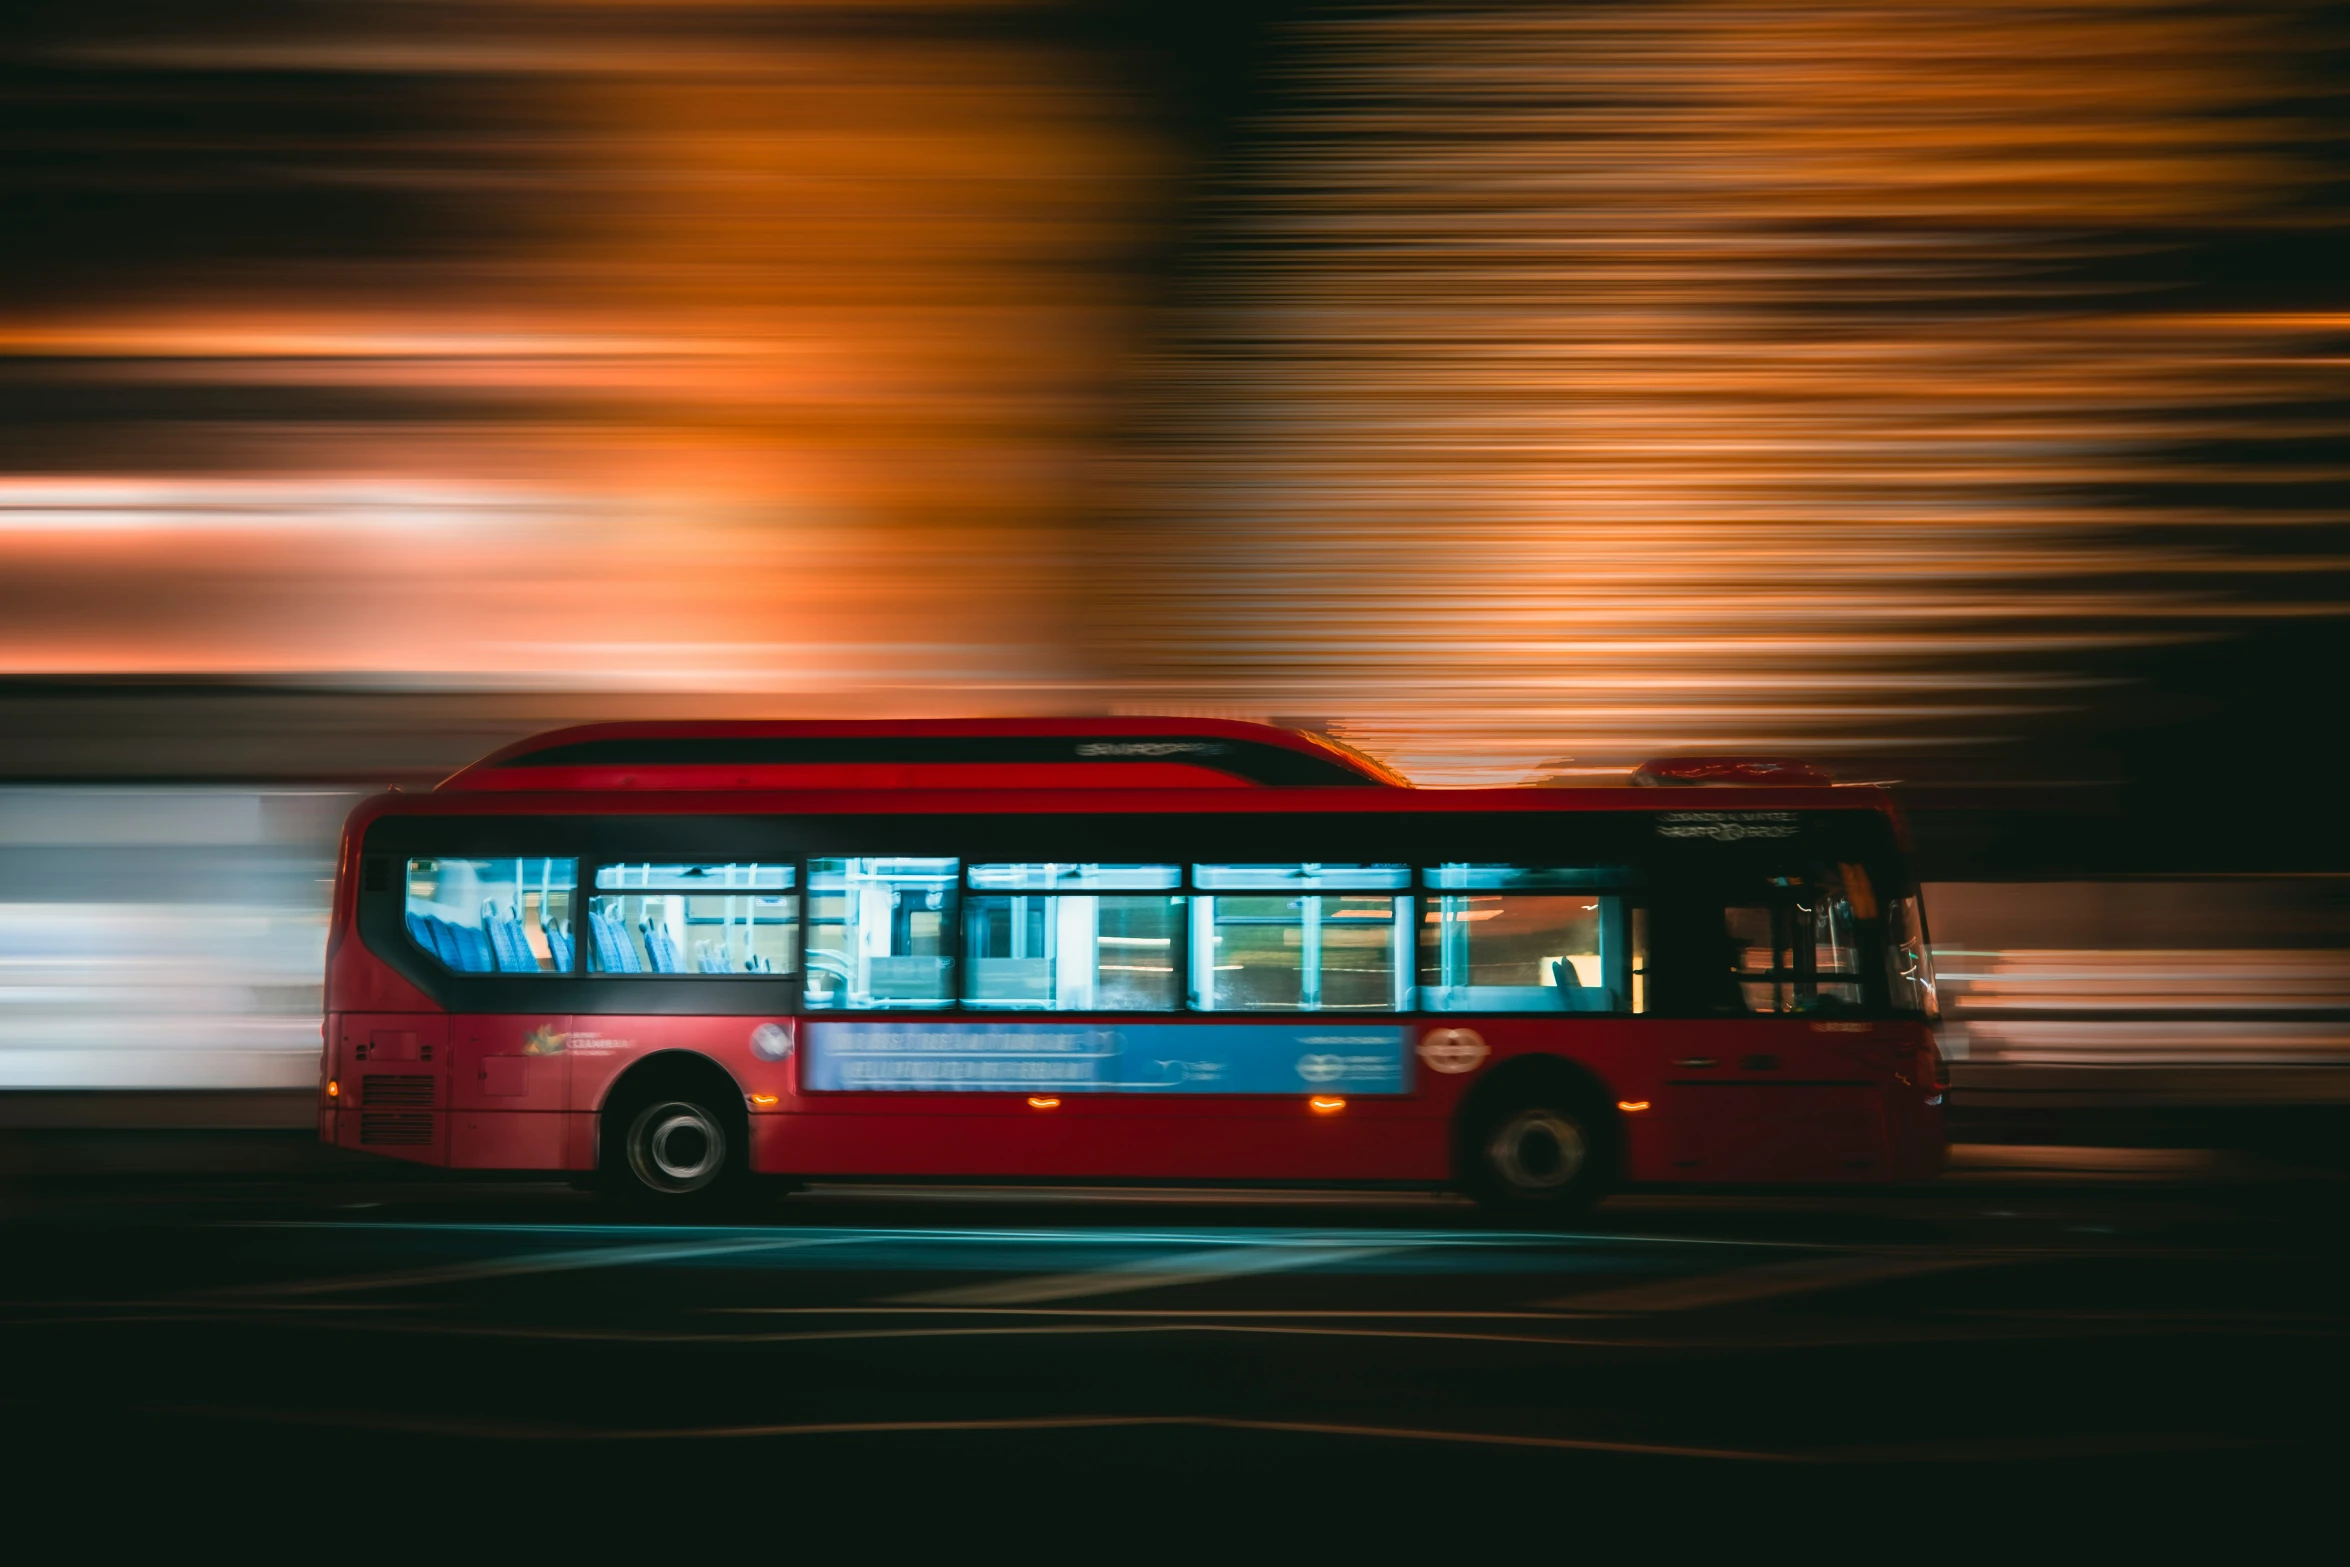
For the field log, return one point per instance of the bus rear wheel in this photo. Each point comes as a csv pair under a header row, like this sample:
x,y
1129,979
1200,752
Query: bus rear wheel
x,y
674,1147
1535,1159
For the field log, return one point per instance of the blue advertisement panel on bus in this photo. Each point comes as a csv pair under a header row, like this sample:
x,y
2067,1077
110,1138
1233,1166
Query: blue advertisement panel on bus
x,y
1156,1058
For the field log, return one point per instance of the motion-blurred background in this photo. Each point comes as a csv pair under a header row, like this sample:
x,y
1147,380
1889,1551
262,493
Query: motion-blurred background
x,y
1954,394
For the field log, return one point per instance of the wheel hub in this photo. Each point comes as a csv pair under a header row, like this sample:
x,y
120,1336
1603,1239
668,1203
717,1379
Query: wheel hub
x,y
677,1147
1538,1151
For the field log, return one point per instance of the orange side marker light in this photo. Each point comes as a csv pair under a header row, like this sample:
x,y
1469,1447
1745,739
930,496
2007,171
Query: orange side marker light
x,y
1632,1106
333,1089
1043,1102
764,1100
1326,1104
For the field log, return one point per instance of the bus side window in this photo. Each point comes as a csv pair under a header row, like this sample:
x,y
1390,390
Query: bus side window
x,y
1308,937
1516,938
694,919
493,916
1073,938
881,933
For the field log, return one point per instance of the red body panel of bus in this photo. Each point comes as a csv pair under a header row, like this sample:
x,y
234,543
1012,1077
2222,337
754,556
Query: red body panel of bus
x,y
1715,1100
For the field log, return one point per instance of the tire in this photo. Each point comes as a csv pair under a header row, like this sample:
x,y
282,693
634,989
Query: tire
x,y
1537,1158
673,1147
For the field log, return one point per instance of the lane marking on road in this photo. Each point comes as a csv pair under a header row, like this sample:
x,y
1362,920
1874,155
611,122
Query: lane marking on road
x,y
525,1264
1153,1313
1997,1450
1204,1236
1769,1281
1814,1331
1135,1196
534,1433
1146,1273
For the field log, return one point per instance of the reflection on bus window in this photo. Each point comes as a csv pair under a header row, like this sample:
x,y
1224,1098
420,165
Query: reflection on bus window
x,y
1071,951
1075,878
694,919
880,933
1796,948
1489,945
1909,959
1300,878
497,916
1327,939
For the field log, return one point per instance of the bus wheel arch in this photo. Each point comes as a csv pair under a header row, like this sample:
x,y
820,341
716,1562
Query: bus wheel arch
x,y
673,1126
1538,1134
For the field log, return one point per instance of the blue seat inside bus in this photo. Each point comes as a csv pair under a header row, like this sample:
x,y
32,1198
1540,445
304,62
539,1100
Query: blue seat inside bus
x,y
660,948
462,948
710,958
499,947
507,942
615,953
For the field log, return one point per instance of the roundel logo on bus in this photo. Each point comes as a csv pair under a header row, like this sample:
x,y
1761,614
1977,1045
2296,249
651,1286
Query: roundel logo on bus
x,y
1453,1050
771,1041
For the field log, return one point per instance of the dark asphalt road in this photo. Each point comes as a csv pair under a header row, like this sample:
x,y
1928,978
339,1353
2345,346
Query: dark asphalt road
x,y
2123,1342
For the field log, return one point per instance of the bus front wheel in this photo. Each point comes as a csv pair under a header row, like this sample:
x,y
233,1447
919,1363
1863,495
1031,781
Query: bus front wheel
x,y
674,1147
1537,1158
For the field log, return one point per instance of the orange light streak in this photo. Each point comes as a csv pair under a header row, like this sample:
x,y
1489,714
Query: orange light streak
x,y
1703,376
1589,383
783,381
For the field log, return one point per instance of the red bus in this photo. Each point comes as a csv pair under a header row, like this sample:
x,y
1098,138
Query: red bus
x,y
673,956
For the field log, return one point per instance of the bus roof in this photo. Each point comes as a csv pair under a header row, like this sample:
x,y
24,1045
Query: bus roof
x,y
944,753
1745,805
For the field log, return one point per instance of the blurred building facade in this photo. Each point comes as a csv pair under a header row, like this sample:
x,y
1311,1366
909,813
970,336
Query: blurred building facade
x,y
1956,395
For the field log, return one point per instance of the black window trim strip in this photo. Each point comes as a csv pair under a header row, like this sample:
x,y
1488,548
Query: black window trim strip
x,y
1275,766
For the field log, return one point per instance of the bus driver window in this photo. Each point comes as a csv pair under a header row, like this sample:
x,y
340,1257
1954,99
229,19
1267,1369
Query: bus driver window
x,y
1794,944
